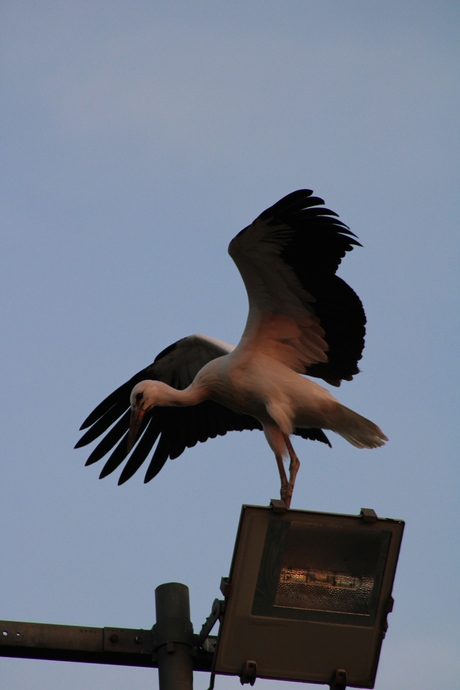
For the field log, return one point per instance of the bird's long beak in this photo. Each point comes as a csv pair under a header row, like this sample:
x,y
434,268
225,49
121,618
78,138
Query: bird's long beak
x,y
135,423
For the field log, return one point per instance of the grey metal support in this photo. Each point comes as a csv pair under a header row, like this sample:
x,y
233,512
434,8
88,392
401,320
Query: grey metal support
x,y
173,637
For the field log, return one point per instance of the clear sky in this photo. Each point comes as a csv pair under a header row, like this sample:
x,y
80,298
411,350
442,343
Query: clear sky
x,y
138,139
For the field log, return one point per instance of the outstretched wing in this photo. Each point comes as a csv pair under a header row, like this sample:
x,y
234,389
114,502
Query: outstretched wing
x,y
300,312
174,428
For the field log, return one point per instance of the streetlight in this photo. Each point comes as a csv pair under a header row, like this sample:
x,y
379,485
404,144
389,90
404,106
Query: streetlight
x,y
308,596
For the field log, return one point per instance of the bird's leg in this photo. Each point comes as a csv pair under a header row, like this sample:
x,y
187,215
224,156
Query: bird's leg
x,y
284,493
293,469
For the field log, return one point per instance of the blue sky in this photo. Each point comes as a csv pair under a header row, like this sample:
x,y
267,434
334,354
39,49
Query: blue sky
x,y
139,138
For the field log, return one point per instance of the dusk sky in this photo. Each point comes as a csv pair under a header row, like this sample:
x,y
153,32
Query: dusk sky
x,y
138,139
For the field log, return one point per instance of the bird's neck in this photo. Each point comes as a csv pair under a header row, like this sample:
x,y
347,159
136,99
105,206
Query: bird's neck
x,y
173,397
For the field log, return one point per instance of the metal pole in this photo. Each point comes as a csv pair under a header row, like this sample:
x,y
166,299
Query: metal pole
x,y
173,637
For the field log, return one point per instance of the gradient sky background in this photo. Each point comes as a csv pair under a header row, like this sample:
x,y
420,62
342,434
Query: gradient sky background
x,y
139,138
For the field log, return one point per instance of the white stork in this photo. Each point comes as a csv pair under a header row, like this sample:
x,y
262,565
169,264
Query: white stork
x,y
303,319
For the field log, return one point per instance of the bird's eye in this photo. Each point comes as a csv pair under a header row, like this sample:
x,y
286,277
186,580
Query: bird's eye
x,y
139,397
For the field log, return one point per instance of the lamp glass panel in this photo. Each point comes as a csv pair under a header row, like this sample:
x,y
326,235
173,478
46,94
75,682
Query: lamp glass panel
x,y
320,571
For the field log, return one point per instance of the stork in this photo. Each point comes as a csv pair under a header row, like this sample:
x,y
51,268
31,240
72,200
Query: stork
x,y
303,320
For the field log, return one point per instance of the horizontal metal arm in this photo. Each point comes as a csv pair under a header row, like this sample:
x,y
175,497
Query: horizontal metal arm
x,y
117,646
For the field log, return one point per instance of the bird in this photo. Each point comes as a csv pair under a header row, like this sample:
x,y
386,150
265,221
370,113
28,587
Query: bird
x,y
304,322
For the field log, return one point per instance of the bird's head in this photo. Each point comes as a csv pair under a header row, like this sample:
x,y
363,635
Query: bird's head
x,y
143,397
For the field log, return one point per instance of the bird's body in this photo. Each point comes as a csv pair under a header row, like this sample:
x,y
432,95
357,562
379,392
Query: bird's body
x,y
302,319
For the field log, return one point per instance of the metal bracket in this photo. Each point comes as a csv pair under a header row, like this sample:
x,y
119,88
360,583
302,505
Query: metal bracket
x,y
248,672
278,505
225,586
216,612
175,630
368,515
339,679
390,602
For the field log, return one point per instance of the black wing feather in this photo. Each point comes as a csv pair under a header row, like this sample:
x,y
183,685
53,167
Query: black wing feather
x,y
142,449
313,435
111,439
116,458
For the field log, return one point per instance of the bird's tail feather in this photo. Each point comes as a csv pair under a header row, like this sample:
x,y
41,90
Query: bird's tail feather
x,y
358,430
